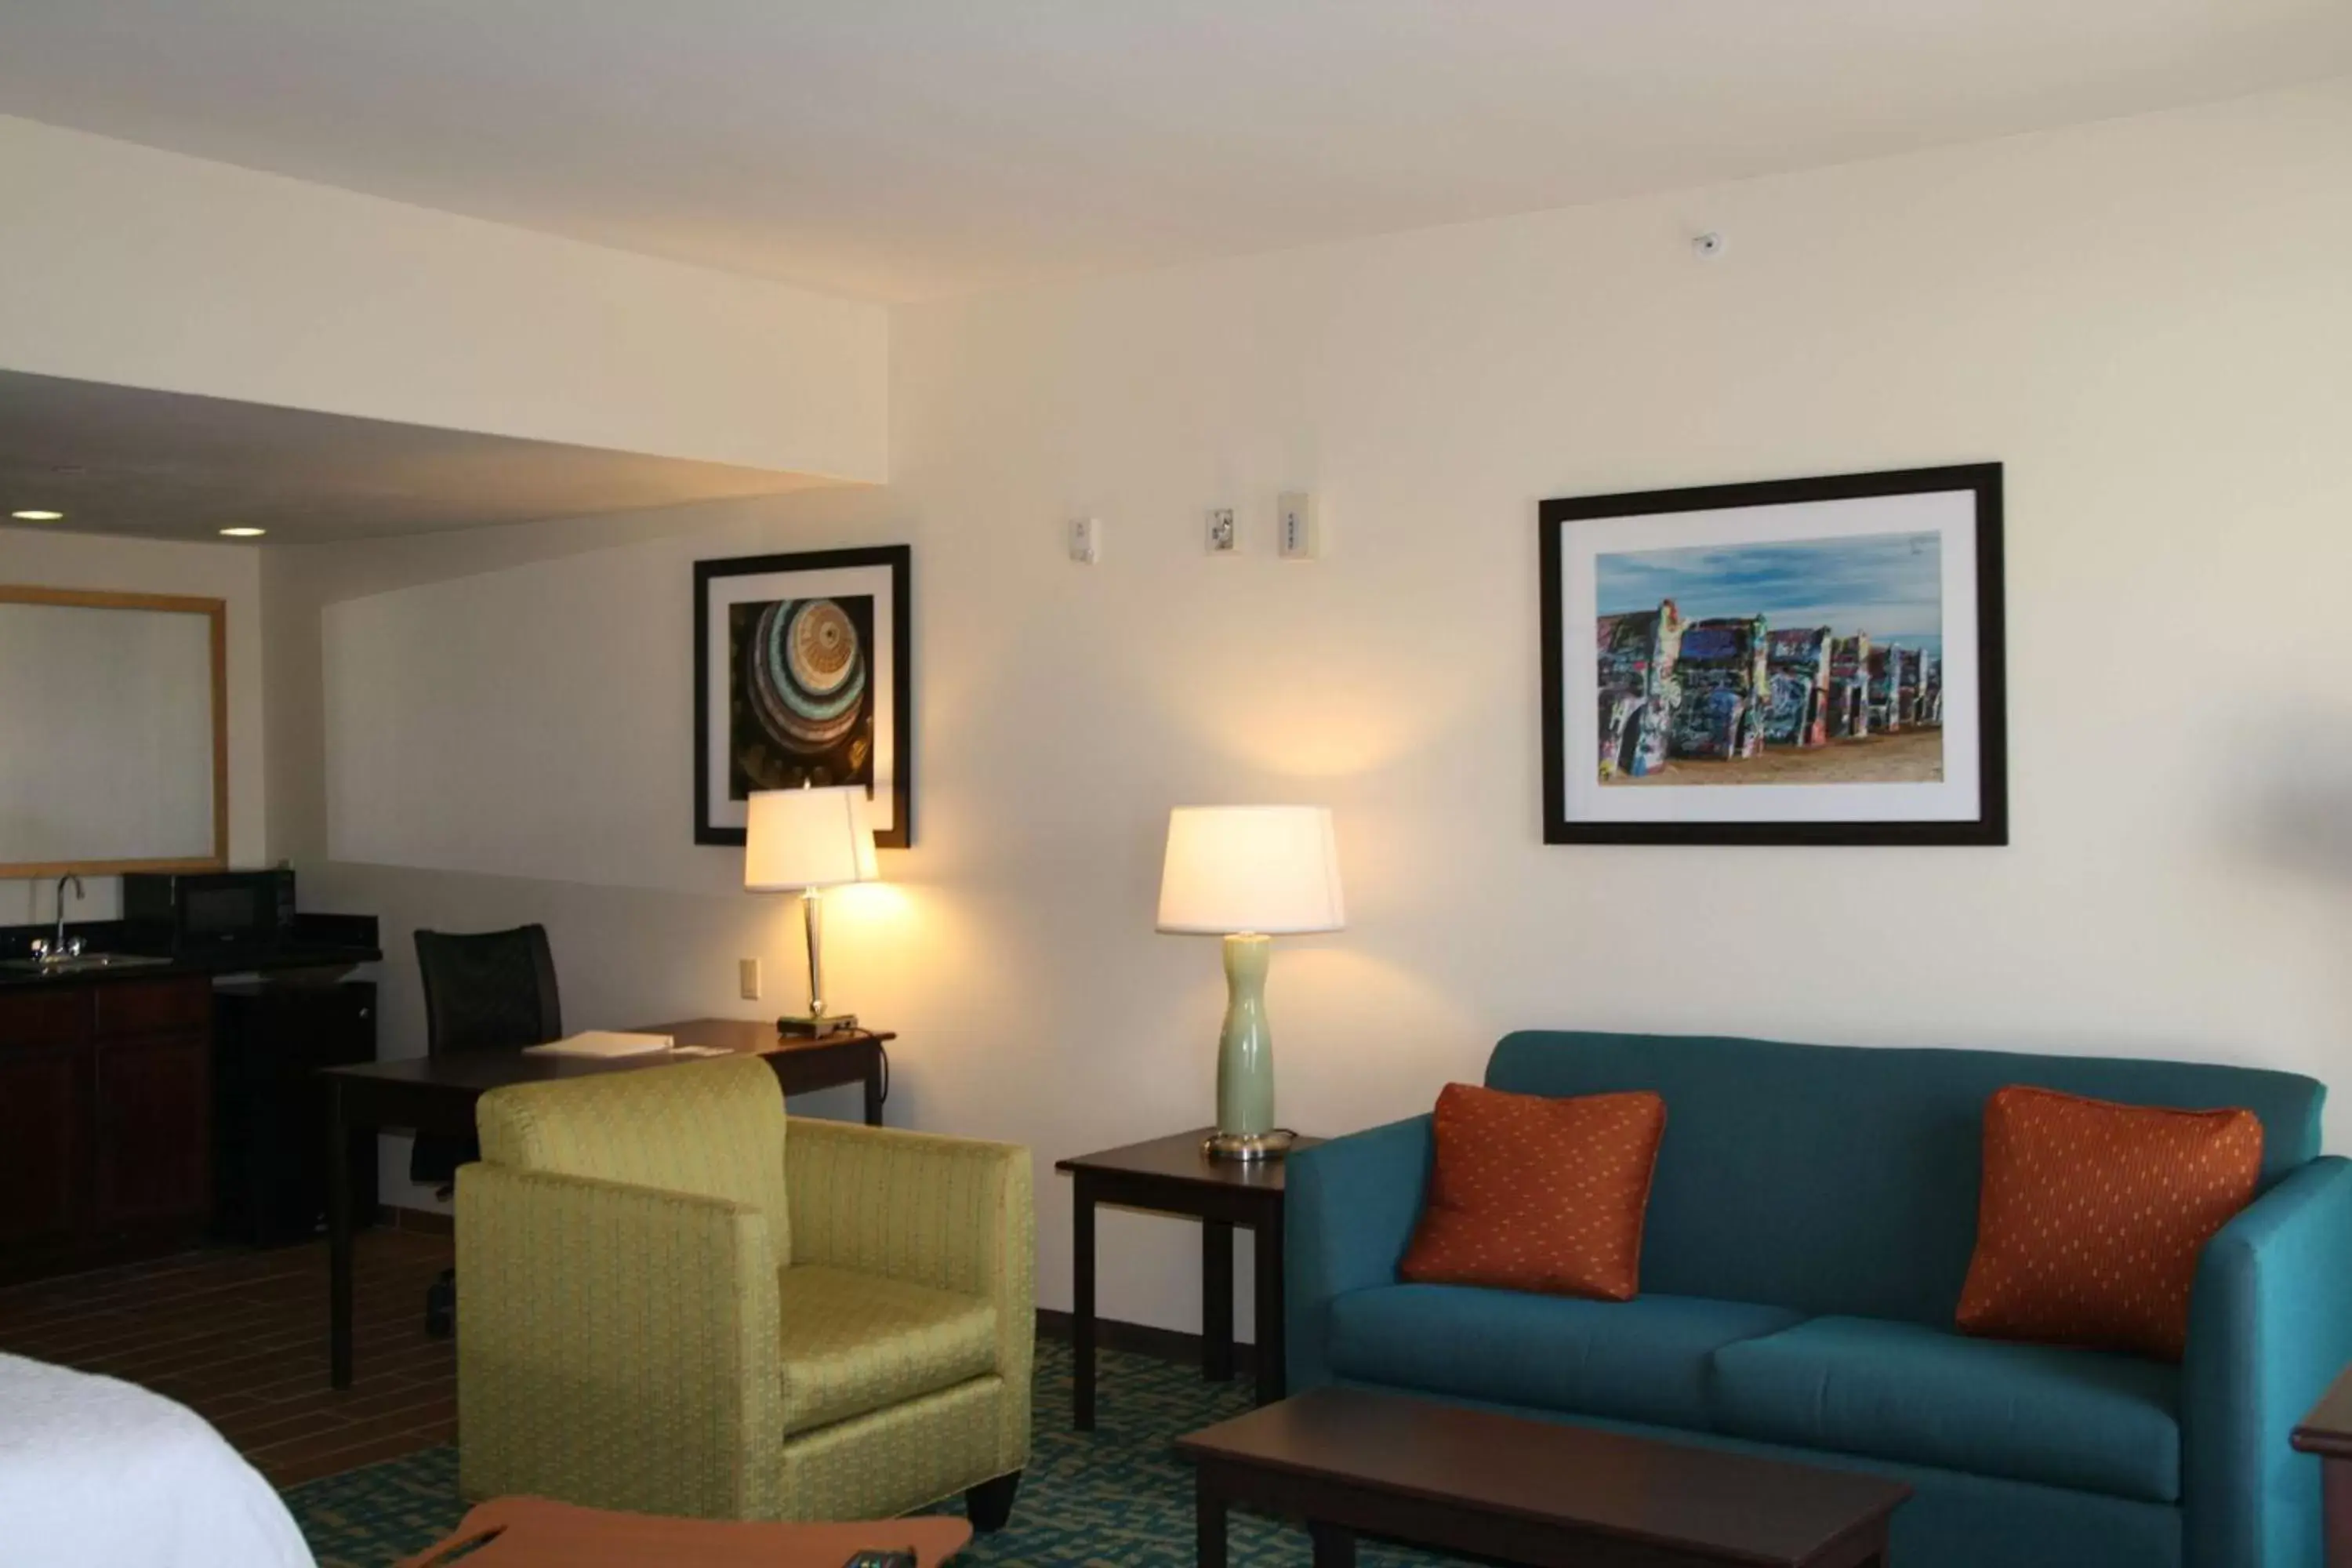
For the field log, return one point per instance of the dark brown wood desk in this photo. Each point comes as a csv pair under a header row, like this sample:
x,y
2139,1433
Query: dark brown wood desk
x,y
436,1094
1513,1490
2327,1432
1175,1175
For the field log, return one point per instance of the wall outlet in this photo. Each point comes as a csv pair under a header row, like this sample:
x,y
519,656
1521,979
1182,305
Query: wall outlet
x,y
1086,540
747,978
1297,530
1224,539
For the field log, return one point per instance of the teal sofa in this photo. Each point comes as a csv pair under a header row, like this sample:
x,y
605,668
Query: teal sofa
x,y
1810,1225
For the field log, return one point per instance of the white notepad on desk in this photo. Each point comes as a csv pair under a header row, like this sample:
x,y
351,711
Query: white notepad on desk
x,y
602,1043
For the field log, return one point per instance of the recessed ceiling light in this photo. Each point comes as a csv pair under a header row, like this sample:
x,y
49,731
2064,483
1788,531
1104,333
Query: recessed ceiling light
x,y
244,533
35,514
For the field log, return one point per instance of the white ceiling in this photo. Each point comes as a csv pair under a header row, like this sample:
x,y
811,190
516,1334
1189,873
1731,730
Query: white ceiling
x,y
164,465
902,149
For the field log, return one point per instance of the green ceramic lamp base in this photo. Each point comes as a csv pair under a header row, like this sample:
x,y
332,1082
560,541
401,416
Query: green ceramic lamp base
x,y
1246,1129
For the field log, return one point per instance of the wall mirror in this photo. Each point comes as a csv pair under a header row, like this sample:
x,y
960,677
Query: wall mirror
x,y
113,732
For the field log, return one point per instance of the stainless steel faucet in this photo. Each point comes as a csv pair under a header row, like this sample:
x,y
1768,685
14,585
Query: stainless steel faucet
x,y
59,948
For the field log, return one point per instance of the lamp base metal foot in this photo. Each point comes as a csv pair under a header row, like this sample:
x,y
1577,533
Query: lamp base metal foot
x,y
809,1028
1245,1147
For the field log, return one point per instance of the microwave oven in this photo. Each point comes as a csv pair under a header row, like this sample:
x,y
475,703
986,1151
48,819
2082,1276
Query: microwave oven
x,y
190,914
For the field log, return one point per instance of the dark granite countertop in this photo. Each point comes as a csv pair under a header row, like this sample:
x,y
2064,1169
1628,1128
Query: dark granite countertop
x,y
320,942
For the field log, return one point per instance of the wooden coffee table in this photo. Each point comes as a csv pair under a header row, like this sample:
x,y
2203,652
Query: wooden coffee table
x,y
532,1532
1528,1493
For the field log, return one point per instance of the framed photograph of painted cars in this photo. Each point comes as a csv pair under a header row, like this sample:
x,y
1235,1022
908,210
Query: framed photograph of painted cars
x,y
1800,662
803,673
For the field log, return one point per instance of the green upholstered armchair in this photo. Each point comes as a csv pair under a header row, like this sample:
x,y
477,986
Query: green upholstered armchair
x,y
674,1305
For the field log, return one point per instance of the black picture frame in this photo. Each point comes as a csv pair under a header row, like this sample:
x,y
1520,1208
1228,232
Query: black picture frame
x,y
1990,825
898,560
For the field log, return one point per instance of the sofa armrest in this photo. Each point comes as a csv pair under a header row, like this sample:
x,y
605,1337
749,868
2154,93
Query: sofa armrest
x,y
2270,1326
1349,1213
955,1213
616,1346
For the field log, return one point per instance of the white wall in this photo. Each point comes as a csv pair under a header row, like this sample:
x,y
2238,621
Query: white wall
x,y
149,268
2148,321
228,572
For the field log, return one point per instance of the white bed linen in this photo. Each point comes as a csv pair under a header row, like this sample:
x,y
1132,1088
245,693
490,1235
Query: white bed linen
x,y
96,1473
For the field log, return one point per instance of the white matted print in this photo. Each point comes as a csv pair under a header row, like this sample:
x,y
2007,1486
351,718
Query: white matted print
x,y
1799,662
801,679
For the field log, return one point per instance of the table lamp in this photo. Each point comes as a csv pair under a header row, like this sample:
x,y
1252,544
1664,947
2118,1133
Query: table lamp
x,y
804,841
1249,873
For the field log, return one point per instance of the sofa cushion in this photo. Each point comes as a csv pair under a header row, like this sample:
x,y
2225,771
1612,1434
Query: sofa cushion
x,y
2093,1216
856,1342
1644,1359
1907,1393
1843,1179
1533,1193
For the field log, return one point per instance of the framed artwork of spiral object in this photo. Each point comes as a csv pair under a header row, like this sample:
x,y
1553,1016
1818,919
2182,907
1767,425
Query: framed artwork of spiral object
x,y
803,675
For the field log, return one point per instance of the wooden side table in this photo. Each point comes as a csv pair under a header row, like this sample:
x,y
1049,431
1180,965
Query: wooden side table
x,y
2327,1432
1174,1177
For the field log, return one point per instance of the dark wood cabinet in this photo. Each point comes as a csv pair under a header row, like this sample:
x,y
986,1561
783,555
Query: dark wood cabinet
x,y
105,1121
152,1153
44,1016
40,1148
129,1010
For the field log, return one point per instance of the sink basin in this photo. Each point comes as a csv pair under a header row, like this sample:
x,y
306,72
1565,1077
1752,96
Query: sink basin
x,y
81,963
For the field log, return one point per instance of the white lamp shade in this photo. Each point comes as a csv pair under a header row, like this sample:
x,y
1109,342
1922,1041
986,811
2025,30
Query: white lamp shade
x,y
796,838
1264,868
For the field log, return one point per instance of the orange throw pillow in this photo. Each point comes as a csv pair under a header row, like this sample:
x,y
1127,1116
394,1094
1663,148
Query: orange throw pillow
x,y
2094,1214
1535,1193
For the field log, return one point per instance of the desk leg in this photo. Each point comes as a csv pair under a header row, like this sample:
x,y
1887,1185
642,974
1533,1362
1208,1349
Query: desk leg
x,y
1334,1547
878,1082
1216,1300
1270,1326
339,1241
1208,1523
1082,1303
2336,1512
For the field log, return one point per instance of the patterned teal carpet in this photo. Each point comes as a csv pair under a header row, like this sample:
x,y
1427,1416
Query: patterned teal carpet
x,y
1113,1498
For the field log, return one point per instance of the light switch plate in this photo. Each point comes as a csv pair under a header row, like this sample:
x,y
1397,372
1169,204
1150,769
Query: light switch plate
x,y
1086,540
1297,530
747,978
1223,537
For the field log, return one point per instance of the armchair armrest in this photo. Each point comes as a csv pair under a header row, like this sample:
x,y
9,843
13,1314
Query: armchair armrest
x,y
1349,1212
616,1345
2270,1326
955,1213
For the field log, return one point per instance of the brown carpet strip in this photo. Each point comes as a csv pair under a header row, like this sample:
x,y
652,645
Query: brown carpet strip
x,y
241,1338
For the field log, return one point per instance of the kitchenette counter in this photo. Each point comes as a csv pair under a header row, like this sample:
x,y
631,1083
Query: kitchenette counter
x,y
330,942
132,1095
276,962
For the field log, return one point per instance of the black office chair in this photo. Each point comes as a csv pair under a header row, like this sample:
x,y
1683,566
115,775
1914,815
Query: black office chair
x,y
488,990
